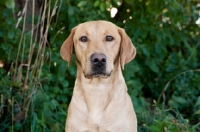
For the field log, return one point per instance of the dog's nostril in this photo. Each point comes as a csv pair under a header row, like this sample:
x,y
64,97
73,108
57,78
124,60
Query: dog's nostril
x,y
104,61
95,61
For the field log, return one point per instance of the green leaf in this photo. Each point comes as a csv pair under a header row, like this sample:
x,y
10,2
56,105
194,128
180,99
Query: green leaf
x,y
116,2
138,32
65,91
158,48
102,6
56,127
139,40
135,87
197,112
46,87
10,4
82,3
56,90
143,20
34,121
108,4
11,34
70,10
179,100
198,101
18,126
145,49
65,83
54,103
152,65
64,99
96,3
60,77
6,46
136,84
157,126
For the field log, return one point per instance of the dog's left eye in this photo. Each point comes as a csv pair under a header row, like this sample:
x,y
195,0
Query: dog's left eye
x,y
109,38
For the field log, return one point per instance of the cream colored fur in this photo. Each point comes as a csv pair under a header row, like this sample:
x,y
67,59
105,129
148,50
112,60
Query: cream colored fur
x,y
100,104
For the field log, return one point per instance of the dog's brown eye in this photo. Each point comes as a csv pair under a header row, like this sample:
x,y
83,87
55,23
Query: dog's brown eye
x,y
83,39
109,38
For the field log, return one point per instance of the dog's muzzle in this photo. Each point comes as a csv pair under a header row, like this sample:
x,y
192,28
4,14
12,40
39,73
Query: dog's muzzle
x,y
98,66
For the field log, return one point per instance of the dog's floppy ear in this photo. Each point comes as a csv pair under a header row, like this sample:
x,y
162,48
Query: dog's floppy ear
x,y
66,49
128,50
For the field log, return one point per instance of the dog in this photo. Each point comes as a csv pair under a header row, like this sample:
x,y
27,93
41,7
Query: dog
x,y
100,102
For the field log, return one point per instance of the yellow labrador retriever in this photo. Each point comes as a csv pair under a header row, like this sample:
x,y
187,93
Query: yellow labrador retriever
x,y
100,102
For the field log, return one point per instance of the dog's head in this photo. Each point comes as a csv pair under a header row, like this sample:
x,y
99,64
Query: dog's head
x,y
98,46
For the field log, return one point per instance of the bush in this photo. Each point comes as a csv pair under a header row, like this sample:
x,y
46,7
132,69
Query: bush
x,y
163,79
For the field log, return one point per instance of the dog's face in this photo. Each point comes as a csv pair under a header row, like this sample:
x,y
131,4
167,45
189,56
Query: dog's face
x,y
98,45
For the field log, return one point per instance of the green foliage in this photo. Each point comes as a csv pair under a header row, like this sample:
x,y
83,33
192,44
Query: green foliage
x,y
163,80
10,4
167,120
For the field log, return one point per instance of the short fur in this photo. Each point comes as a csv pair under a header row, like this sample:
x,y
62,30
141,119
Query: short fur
x,y
100,103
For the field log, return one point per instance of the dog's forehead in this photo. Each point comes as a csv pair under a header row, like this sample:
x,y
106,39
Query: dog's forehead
x,y
97,27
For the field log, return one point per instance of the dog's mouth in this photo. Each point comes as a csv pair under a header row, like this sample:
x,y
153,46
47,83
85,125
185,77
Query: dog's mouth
x,y
98,67
98,74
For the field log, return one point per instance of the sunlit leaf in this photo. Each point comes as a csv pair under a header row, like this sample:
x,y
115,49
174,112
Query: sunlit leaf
x,y
10,4
82,3
102,6
96,3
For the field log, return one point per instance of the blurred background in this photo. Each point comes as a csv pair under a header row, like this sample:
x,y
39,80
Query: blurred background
x,y
163,80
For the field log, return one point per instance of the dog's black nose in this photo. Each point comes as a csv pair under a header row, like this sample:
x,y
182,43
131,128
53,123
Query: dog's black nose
x,y
98,59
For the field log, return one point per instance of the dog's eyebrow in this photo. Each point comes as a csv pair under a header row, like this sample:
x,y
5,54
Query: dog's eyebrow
x,y
107,33
85,33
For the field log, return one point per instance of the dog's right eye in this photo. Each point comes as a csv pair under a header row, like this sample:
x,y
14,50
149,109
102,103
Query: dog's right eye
x,y
83,39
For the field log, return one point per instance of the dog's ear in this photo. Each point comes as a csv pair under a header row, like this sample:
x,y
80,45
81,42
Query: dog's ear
x,y
66,49
128,50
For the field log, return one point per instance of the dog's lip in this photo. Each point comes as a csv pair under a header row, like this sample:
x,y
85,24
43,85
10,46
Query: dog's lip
x,y
98,75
